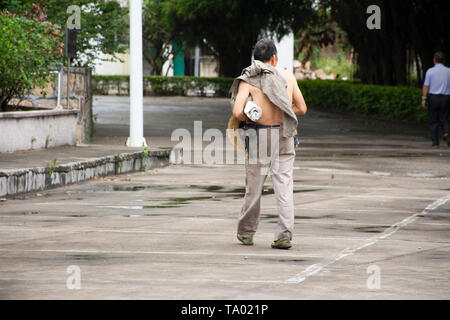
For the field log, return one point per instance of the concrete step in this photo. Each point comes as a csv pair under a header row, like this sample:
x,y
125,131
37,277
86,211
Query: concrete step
x,y
24,180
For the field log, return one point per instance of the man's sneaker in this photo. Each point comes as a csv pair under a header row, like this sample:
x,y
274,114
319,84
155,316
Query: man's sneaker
x,y
282,244
248,241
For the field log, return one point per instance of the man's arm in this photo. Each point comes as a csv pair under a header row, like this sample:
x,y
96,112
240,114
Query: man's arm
x,y
426,88
424,95
299,104
241,99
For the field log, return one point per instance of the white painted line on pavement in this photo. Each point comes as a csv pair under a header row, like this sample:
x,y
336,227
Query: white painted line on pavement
x,y
316,268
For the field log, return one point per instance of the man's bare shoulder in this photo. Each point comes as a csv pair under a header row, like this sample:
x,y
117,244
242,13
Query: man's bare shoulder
x,y
287,75
244,84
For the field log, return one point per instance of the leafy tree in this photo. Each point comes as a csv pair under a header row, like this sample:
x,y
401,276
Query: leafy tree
x,y
158,39
28,48
230,28
320,31
411,31
12,5
103,24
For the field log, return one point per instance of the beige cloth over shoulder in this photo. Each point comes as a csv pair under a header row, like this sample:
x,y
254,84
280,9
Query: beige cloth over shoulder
x,y
272,83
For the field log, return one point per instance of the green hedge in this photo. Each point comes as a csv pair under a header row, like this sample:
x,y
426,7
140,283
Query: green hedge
x,y
163,86
393,103
110,85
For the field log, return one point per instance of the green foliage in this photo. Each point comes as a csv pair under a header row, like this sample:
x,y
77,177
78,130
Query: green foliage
x,y
158,39
163,86
411,31
103,24
337,64
101,85
51,166
393,103
230,28
182,85
144,155
47,141
117,163
320,31
12,5
28,49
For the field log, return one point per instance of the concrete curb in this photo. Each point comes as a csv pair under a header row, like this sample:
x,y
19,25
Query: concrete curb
x,y
17,181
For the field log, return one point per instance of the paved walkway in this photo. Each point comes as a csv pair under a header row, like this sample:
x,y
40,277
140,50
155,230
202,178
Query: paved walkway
x,y
372,203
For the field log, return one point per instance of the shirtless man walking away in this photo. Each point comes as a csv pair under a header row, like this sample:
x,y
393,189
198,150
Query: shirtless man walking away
x,y
277,93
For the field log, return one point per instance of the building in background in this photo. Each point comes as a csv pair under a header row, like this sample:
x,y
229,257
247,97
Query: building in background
x,y
189,61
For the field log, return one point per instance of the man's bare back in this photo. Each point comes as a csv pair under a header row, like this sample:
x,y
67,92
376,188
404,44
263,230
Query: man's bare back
x,y
271,114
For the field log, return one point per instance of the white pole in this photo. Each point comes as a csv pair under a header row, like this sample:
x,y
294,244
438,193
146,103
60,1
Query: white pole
x,y
136,138
197,62
286,52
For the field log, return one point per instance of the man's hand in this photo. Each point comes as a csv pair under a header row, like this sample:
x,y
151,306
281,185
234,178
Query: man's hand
x,y
424,103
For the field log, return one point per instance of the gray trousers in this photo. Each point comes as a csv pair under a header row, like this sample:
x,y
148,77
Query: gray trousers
x,y
269,152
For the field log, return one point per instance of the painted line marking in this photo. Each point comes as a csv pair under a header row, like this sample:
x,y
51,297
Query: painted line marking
x,y
316,268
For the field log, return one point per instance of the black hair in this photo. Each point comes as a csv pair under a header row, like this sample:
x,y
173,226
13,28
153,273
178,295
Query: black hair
x,y
264,50
439,57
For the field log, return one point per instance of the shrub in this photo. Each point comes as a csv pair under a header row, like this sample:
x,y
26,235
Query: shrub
x,y
28,49
114,85
164,86
392,103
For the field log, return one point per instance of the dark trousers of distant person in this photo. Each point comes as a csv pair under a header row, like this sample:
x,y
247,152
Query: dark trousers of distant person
x,y
438,109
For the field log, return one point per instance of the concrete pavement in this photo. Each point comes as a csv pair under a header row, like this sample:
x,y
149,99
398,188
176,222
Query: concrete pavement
x,y
372,203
